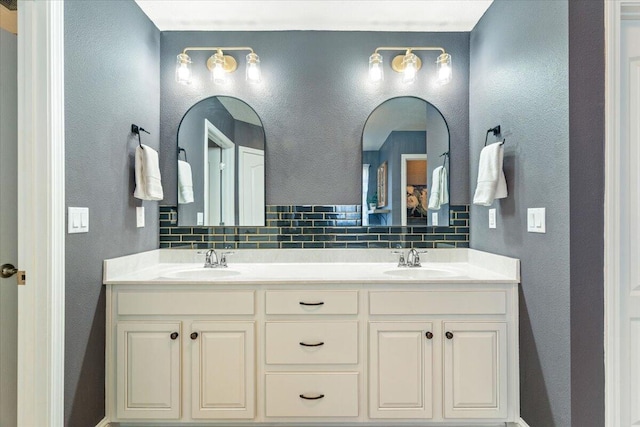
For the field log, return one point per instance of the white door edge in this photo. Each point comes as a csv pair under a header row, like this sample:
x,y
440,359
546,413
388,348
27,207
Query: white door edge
x,y
41,213
614,11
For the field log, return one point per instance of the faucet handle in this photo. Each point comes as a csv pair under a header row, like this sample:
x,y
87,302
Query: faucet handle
x,y
223,258
401,260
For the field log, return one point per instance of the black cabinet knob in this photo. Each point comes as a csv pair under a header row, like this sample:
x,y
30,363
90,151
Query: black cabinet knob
x,y
194,335
429,335
449,335
174,335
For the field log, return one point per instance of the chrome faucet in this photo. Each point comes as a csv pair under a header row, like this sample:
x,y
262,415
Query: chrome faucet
x,y
413,258
208,259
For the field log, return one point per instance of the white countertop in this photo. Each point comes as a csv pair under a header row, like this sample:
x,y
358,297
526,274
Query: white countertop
x,y
309,266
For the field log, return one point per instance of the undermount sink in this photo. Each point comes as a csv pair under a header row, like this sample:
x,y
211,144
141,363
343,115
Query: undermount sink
x,y
200,274
421,273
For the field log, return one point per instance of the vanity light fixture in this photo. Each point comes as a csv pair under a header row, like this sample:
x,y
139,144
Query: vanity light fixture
x,y
219,64
409,64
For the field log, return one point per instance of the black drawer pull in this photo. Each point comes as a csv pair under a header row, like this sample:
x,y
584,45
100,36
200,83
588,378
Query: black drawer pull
x,y
320,396
318,344
311,303
449,335
194,335
174,335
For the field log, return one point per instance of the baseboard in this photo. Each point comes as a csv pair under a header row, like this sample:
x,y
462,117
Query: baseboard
x,y
103,423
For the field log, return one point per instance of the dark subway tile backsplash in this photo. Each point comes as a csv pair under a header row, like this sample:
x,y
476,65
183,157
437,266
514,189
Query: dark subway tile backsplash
x,y
314,226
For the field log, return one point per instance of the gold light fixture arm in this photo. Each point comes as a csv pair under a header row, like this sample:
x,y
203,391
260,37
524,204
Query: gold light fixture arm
x,y
397,62
230,64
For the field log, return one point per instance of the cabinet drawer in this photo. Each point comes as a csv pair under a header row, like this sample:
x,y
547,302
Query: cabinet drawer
x,y
312,394
312,302
185,302
307,343
438,302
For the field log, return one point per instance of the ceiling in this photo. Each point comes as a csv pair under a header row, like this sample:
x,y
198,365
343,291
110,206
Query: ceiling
x,y
328,15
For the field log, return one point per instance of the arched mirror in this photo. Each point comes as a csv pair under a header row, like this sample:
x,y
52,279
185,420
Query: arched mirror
x,y
220,150
405,150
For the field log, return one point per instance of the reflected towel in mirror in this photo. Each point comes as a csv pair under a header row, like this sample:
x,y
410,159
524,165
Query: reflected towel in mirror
x,y
185,183
147,170
439,191
491,181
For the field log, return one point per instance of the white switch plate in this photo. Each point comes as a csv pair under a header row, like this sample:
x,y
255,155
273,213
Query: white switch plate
x,y
536,220
200,218
492,218
140,216
78,220
434,218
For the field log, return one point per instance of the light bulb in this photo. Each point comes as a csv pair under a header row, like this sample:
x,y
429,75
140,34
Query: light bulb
x,y
376,72
445,71
218,74
183,69
253,68
410,63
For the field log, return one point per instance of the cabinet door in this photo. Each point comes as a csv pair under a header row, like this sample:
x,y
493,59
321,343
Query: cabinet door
x,y
222,370
400,370
475,370
148,370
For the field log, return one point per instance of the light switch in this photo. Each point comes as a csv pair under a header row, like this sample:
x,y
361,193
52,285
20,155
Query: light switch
x,y
200,218
78,220
492,218
536,220
140,216
434,218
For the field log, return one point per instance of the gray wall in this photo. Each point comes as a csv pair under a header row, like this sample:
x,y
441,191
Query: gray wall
x,y
111,80
519,80
313,101
586,151
8,223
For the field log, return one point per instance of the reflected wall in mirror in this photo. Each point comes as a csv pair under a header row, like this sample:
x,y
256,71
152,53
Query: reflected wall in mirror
x,y
220,150
404,173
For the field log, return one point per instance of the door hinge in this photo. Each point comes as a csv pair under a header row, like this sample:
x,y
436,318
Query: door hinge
x,y
22,277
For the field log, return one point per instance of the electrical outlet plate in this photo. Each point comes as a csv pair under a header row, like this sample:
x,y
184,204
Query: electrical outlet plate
x,y
536,220
140,216
434,218
492,218
78,220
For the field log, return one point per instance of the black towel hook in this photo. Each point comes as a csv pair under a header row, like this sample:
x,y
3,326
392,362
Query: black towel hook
x,y
445,155
495,131
135,129
185,153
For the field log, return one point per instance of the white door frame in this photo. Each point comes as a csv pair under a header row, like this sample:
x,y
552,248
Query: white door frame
x,y
228,157
612,241
41,213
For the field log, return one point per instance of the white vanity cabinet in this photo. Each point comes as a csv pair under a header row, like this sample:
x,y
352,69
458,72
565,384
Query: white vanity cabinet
x,y
181,354
281,345
455,359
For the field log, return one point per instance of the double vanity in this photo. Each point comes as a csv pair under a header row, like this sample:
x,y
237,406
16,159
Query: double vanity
x,y
312,337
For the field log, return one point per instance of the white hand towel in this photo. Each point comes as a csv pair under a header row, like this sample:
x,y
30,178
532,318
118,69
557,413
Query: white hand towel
x,y
147,169
439,190
491,181
185,183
